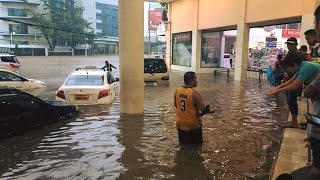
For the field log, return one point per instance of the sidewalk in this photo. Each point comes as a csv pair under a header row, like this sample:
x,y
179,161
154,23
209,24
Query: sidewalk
x,y
292,154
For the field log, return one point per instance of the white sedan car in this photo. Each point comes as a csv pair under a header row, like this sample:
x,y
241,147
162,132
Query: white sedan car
x,y
15,80
87,86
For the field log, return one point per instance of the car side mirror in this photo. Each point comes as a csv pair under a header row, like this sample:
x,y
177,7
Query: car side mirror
x,y
117,79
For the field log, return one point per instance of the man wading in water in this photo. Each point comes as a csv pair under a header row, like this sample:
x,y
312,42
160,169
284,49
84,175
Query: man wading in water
x,y
188,103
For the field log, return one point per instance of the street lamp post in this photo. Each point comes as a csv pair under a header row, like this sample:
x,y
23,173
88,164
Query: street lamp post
x,y
35,38
11,36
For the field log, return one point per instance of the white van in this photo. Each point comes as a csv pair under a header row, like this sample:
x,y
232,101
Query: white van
x,y
155,72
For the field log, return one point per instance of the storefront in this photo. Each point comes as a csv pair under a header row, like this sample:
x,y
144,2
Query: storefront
x,y
205,35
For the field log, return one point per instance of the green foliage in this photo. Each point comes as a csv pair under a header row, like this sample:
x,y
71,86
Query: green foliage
x,y
164,5
61,20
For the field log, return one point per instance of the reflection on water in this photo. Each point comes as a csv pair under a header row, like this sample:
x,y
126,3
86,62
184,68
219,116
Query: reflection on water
x,y
239,139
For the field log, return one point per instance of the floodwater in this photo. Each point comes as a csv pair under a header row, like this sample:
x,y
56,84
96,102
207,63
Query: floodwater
x,y
240,139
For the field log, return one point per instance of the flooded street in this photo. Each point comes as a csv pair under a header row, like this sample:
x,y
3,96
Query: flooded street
x,y
240,139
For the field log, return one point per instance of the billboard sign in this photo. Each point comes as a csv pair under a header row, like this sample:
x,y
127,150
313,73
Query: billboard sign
x,y
154,18
286,33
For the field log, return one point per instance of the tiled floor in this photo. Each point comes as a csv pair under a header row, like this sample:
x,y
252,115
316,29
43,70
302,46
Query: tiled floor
x,y
292,154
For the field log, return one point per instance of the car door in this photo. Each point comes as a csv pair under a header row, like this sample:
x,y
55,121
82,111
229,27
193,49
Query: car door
x,y
7,115
28,112
11,80
113,84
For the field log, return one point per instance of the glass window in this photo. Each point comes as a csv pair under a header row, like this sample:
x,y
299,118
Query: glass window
x,y
99,26
12,59
154,66
17,12
85,80
98,5
211,49
98,15
182,49
5,76
18,28
23,103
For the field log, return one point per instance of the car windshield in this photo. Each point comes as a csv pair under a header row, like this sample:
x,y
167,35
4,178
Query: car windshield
x,y
85,80
9,59
154,66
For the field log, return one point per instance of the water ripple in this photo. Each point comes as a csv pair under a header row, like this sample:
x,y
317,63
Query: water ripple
x,y
239,139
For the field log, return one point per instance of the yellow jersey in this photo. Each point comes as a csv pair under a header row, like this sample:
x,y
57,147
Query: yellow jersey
x,y
187,115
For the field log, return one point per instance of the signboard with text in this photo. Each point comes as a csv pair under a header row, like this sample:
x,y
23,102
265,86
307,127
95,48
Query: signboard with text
x,y
155,19
286,33
271,42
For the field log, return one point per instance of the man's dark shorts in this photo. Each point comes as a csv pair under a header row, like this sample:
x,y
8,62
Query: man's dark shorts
x,y
191,136
315,146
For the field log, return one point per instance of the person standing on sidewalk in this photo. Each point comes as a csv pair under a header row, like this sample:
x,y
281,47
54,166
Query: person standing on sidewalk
x,y
311,38
188,103
278,70
292,95
312,91
304,72
232,55
304,50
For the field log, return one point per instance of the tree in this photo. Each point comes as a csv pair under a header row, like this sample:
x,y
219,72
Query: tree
x,y
61,20
164,5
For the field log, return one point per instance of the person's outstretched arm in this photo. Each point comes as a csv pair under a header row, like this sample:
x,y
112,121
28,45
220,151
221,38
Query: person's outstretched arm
x,y
199,104
112,66
284,87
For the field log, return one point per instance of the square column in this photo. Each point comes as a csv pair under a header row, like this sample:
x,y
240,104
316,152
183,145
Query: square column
x,y
242,45
196,51
131,56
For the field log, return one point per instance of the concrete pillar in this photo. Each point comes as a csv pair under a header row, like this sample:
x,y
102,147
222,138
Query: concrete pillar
x,y
196,51
46,51
307,22
168,35
242,45
222,47
131,45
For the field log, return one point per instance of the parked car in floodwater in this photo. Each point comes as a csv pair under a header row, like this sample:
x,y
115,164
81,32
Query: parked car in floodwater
x,y
20,111
87,86
9,62
14,80
155,72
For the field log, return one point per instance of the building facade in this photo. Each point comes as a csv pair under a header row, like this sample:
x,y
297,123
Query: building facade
x,y
24,39
103,16
14,35
196,31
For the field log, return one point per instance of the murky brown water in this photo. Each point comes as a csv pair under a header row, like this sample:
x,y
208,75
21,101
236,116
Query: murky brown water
x,y
239,139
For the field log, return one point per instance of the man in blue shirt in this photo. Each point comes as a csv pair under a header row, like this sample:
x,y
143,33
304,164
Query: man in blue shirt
x,y
304,73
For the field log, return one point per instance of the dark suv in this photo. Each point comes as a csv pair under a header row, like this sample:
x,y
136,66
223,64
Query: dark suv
x,y
20,111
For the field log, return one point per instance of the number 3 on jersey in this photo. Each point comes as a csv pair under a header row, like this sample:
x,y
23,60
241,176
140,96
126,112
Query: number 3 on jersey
x,y
183,105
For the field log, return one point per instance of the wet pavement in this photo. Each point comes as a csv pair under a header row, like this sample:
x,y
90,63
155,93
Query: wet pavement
x,y
240,139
